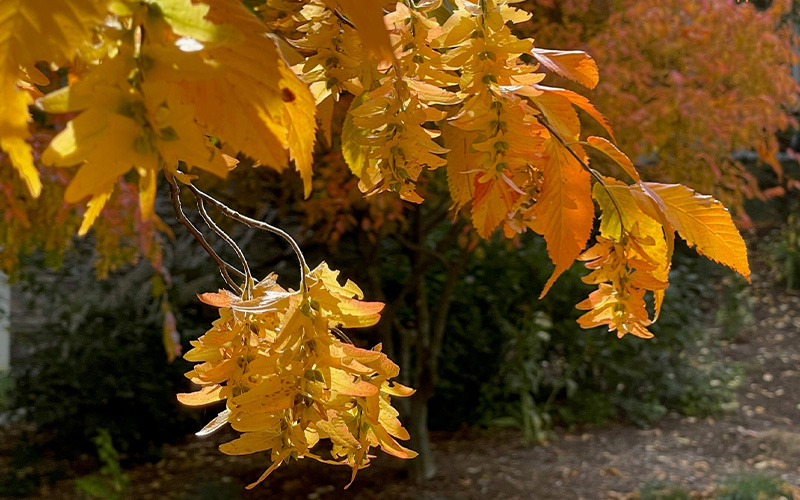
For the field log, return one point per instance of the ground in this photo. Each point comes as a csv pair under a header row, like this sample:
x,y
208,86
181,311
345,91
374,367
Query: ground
x,y
761,435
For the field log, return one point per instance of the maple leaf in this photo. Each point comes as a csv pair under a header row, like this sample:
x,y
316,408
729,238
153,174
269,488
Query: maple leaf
x,y
33,31
564,209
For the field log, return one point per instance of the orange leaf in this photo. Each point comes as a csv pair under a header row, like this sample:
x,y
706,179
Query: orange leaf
x,y
573,64
564,208
493,201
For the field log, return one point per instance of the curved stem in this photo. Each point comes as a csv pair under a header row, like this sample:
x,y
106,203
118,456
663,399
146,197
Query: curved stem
x,y
257,224
174,190
248,275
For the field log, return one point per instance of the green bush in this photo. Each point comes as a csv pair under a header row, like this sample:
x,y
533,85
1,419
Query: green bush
x,y
509,359
97,361
784,244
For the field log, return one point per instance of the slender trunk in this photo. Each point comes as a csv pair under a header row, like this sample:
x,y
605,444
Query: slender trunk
x,y
423,467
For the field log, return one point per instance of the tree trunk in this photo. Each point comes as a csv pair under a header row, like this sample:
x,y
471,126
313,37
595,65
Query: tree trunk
x,y
423,467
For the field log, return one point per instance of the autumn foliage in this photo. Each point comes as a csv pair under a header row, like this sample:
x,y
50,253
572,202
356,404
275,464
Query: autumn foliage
x,y
688,84
169,90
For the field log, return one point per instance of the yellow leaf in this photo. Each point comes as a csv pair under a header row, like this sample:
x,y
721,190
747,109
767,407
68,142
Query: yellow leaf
x,y
573,64
109,143
19,151
356,155
272,394
582,103
564,209
250,442
462,163
205,396
560,114
338,432
703,222
390,446
188,19
299,111
147,193
350,385
367,17
33,31
95,206
624,200
275,464
257,105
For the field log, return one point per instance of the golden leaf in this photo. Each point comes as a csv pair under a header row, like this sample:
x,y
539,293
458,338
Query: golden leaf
x,y
564,209
33,31
703,222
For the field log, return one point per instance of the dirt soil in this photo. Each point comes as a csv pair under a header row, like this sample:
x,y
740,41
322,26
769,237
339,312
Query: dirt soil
x,y
761,436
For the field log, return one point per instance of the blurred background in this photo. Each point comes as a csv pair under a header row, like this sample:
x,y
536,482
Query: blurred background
x,y
514,400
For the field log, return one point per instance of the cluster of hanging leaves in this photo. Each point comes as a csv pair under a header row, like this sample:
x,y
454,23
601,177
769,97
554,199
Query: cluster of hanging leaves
x,y
705,80
289,381
172,85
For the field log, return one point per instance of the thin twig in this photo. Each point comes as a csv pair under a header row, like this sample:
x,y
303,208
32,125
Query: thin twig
x,y
257,224
248,275
343,19
421,249
174,191
341,335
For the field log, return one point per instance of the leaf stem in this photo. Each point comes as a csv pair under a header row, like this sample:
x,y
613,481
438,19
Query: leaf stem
x,y
174,191
257,224
248,275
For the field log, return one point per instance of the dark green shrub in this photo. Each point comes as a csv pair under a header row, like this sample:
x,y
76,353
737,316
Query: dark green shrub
x,y
510,359
95,360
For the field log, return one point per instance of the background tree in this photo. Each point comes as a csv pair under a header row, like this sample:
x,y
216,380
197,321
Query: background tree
x,y
703,84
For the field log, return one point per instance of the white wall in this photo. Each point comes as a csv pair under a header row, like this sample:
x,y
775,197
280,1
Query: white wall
x,y
5,311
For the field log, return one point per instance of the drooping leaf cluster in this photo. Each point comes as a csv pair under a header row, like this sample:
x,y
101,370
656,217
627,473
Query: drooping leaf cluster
x,y
289,381
160,87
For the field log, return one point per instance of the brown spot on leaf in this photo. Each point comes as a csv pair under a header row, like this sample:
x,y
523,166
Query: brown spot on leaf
x,y
288,95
